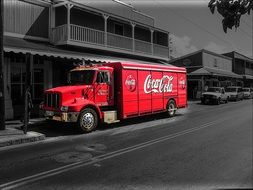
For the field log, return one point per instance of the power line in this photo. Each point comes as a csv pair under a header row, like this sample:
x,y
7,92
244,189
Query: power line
x,y
199,26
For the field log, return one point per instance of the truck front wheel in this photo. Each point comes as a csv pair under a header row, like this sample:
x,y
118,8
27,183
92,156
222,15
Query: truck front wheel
x,y
171,107
88,120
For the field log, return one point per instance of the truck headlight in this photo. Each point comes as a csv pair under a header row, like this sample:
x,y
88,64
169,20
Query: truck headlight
x,y
64,108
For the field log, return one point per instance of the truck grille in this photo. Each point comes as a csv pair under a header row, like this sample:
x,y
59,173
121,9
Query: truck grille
x,y
52,100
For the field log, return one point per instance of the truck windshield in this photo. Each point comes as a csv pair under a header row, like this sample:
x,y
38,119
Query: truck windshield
x,y
214,90
81,77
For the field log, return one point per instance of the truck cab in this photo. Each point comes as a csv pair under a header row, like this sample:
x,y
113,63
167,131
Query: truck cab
x,y
89,88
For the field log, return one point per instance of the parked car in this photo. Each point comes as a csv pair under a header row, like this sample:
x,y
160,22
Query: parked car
x,y
235,93
214,95
247,93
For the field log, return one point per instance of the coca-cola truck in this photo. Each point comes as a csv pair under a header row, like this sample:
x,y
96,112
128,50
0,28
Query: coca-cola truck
x,y
110,92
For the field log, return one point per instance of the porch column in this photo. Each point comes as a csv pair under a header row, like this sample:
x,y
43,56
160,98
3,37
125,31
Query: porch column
x,y
68,6
105,28
152,41
133,36
52,23
169,46
202,84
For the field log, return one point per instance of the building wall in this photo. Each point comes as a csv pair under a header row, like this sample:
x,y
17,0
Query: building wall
x,y
213,61
249,69
60,16
142,34
189,61
82,18
26,18
118,9
239,66
160,38
127,28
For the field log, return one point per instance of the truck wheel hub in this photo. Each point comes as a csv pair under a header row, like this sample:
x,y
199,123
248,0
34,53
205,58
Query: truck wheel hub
x,y
88,120
171,108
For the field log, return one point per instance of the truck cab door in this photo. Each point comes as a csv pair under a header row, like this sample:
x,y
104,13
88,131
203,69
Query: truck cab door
x,y
102,85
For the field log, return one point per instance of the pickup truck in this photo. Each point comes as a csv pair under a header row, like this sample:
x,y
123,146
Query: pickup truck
x,y
235,93
214,95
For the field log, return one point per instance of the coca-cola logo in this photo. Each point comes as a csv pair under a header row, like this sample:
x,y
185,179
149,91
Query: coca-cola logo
x,y
182,83
130,83
158,85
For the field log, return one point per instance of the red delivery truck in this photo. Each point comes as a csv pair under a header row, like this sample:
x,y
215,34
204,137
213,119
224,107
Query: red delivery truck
x,y
110,92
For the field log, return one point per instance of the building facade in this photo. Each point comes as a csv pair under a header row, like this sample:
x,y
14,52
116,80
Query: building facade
x,y
242,65
48,37
207,69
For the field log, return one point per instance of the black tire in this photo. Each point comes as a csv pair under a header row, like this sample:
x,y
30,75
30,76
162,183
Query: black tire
x,y
171,108
87,120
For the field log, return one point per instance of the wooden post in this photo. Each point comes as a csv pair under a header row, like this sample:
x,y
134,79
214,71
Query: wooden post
x,y
105,28
68,6
2,99
152,41
133,36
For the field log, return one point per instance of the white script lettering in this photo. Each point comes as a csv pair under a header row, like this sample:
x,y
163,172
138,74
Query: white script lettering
x,y
158,85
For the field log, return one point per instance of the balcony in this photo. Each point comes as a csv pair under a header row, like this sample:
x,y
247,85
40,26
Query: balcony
x,y
97,39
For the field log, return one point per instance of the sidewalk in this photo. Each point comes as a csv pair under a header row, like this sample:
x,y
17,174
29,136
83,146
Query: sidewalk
x,y
13,135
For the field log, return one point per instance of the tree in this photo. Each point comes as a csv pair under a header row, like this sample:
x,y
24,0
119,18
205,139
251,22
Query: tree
x,y
231,10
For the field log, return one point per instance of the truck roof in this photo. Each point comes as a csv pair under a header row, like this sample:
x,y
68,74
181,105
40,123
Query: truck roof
x,y
146,66
132,65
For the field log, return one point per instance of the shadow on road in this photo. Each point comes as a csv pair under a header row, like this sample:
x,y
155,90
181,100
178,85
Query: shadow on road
x,y
56,129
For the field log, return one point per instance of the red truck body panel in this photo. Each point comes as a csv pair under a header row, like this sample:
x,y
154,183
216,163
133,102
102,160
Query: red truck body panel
x,y
145,89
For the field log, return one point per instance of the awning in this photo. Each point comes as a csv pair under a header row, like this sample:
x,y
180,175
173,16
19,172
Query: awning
x,y
249,77
214,72
18,45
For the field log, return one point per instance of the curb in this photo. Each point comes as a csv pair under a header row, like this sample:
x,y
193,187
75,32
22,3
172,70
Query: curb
x,y
29,137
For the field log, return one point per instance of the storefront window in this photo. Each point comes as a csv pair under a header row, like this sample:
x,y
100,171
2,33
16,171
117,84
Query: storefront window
x,y
38,80
18,77
17,81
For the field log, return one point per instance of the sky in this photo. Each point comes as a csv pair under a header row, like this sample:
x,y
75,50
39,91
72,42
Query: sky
x,y
194,27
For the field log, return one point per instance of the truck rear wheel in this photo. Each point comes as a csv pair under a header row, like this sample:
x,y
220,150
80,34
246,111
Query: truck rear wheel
x,y
171,108
88,120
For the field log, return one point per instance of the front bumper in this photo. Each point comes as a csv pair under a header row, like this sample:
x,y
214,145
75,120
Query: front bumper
x,y
61,116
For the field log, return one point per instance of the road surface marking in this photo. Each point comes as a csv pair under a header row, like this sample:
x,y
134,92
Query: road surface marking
x,y
94,160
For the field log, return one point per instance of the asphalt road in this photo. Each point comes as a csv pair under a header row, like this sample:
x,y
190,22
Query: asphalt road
x,y
203,147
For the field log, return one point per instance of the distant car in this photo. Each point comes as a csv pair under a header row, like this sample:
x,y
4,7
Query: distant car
x,y
235,93
247,93
214,95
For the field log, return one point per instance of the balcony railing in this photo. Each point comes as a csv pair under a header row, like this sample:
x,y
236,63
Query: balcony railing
x,y
114,40
83,34
143,47
60,33
86,35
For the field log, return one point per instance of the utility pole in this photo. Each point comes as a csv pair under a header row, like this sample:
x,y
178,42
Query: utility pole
x,y
2,103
